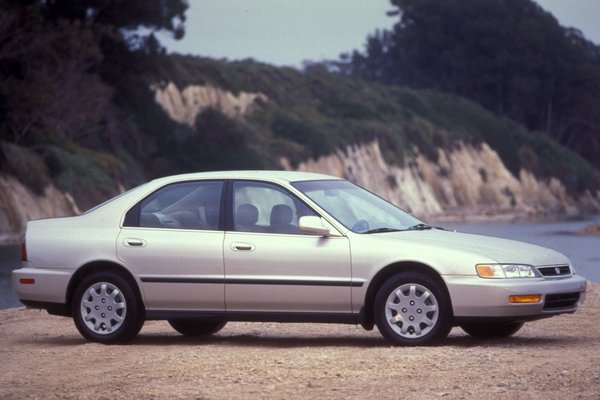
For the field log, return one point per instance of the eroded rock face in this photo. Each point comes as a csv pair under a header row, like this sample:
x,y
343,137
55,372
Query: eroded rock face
x,y
18,204
467,180
185,105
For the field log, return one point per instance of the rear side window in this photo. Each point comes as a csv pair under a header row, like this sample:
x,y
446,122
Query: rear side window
x,y
187,205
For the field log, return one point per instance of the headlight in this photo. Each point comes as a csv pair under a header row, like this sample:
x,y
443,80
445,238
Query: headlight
x,y
499,271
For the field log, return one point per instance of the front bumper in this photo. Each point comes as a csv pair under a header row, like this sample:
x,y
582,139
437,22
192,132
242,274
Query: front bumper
x,y
474,297
49,285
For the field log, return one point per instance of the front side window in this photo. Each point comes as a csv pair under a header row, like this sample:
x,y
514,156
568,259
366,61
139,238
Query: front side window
x,y
263,207
356,208
187,205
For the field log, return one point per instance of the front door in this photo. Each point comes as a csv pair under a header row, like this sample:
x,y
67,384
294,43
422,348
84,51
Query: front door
x,y
270,266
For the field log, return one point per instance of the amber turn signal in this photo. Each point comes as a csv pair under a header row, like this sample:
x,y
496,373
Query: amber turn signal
x,y
485,271
527,298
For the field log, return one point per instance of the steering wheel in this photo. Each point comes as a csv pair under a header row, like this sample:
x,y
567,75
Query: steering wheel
x,y
361,225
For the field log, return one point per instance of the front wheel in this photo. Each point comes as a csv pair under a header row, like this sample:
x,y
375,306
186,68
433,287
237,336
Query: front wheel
x,y
413,309
492,330
105,309
196,327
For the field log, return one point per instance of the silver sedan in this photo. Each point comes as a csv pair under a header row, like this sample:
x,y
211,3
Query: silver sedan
x,y
203,249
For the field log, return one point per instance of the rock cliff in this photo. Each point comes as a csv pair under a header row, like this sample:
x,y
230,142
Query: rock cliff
x,y
18,204
185,105
467,181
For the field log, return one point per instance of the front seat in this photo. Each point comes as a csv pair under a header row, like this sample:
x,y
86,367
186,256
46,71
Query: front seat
x,y
149,220
281,219
246,217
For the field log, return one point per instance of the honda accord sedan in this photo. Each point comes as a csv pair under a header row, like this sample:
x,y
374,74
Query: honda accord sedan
x,y
199,250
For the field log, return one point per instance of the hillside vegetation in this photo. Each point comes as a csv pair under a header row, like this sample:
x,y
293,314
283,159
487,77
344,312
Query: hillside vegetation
x,y
312,113
511,56
78,109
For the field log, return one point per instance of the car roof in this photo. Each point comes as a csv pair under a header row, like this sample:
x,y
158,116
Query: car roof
x,y
280,176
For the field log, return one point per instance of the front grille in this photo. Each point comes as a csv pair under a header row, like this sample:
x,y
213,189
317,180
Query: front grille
x,y
561,270
561,300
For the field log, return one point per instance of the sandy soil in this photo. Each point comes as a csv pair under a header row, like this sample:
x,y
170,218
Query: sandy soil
x,y
42,356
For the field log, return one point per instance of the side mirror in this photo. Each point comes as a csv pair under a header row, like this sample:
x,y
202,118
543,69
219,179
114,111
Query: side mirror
x,y
313,226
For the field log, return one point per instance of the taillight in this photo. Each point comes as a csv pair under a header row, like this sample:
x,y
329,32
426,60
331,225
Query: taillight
x,y
23,251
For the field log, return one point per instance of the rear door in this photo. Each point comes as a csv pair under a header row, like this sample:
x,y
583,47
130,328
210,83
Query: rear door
x,y
173,241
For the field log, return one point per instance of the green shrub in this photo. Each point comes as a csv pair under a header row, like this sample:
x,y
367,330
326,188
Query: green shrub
x,y
314,140
85,176
26,165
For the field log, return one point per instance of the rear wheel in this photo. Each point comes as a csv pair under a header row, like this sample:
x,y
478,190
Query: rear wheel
x,y
196,327
105,309
492,330
412,309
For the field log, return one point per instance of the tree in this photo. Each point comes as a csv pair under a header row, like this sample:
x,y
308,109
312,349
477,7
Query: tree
x,y
166,15
509,55
64,66
48,78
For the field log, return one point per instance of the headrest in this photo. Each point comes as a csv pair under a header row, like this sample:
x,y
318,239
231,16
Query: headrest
x,y
246,214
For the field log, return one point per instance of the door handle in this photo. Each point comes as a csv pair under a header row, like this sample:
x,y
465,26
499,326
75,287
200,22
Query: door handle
x,y
241,246
131,242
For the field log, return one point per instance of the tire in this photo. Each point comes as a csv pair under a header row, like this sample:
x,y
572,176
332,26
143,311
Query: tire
x,y
196,327
106,310
492,330
413,309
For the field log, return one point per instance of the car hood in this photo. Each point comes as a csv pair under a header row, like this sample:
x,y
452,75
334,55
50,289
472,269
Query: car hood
x,y
500,250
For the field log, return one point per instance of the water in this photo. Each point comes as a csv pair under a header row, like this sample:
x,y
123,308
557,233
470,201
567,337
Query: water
x,y
10,258
584,251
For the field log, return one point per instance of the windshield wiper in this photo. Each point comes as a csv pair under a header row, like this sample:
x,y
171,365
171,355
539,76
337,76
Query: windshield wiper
x,y
382,230
424,227
420,227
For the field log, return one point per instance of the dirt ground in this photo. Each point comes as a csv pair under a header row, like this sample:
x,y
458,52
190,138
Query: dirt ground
x,y
43,356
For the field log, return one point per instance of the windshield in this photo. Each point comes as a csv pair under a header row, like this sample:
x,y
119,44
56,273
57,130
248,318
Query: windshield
x,y
356,208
